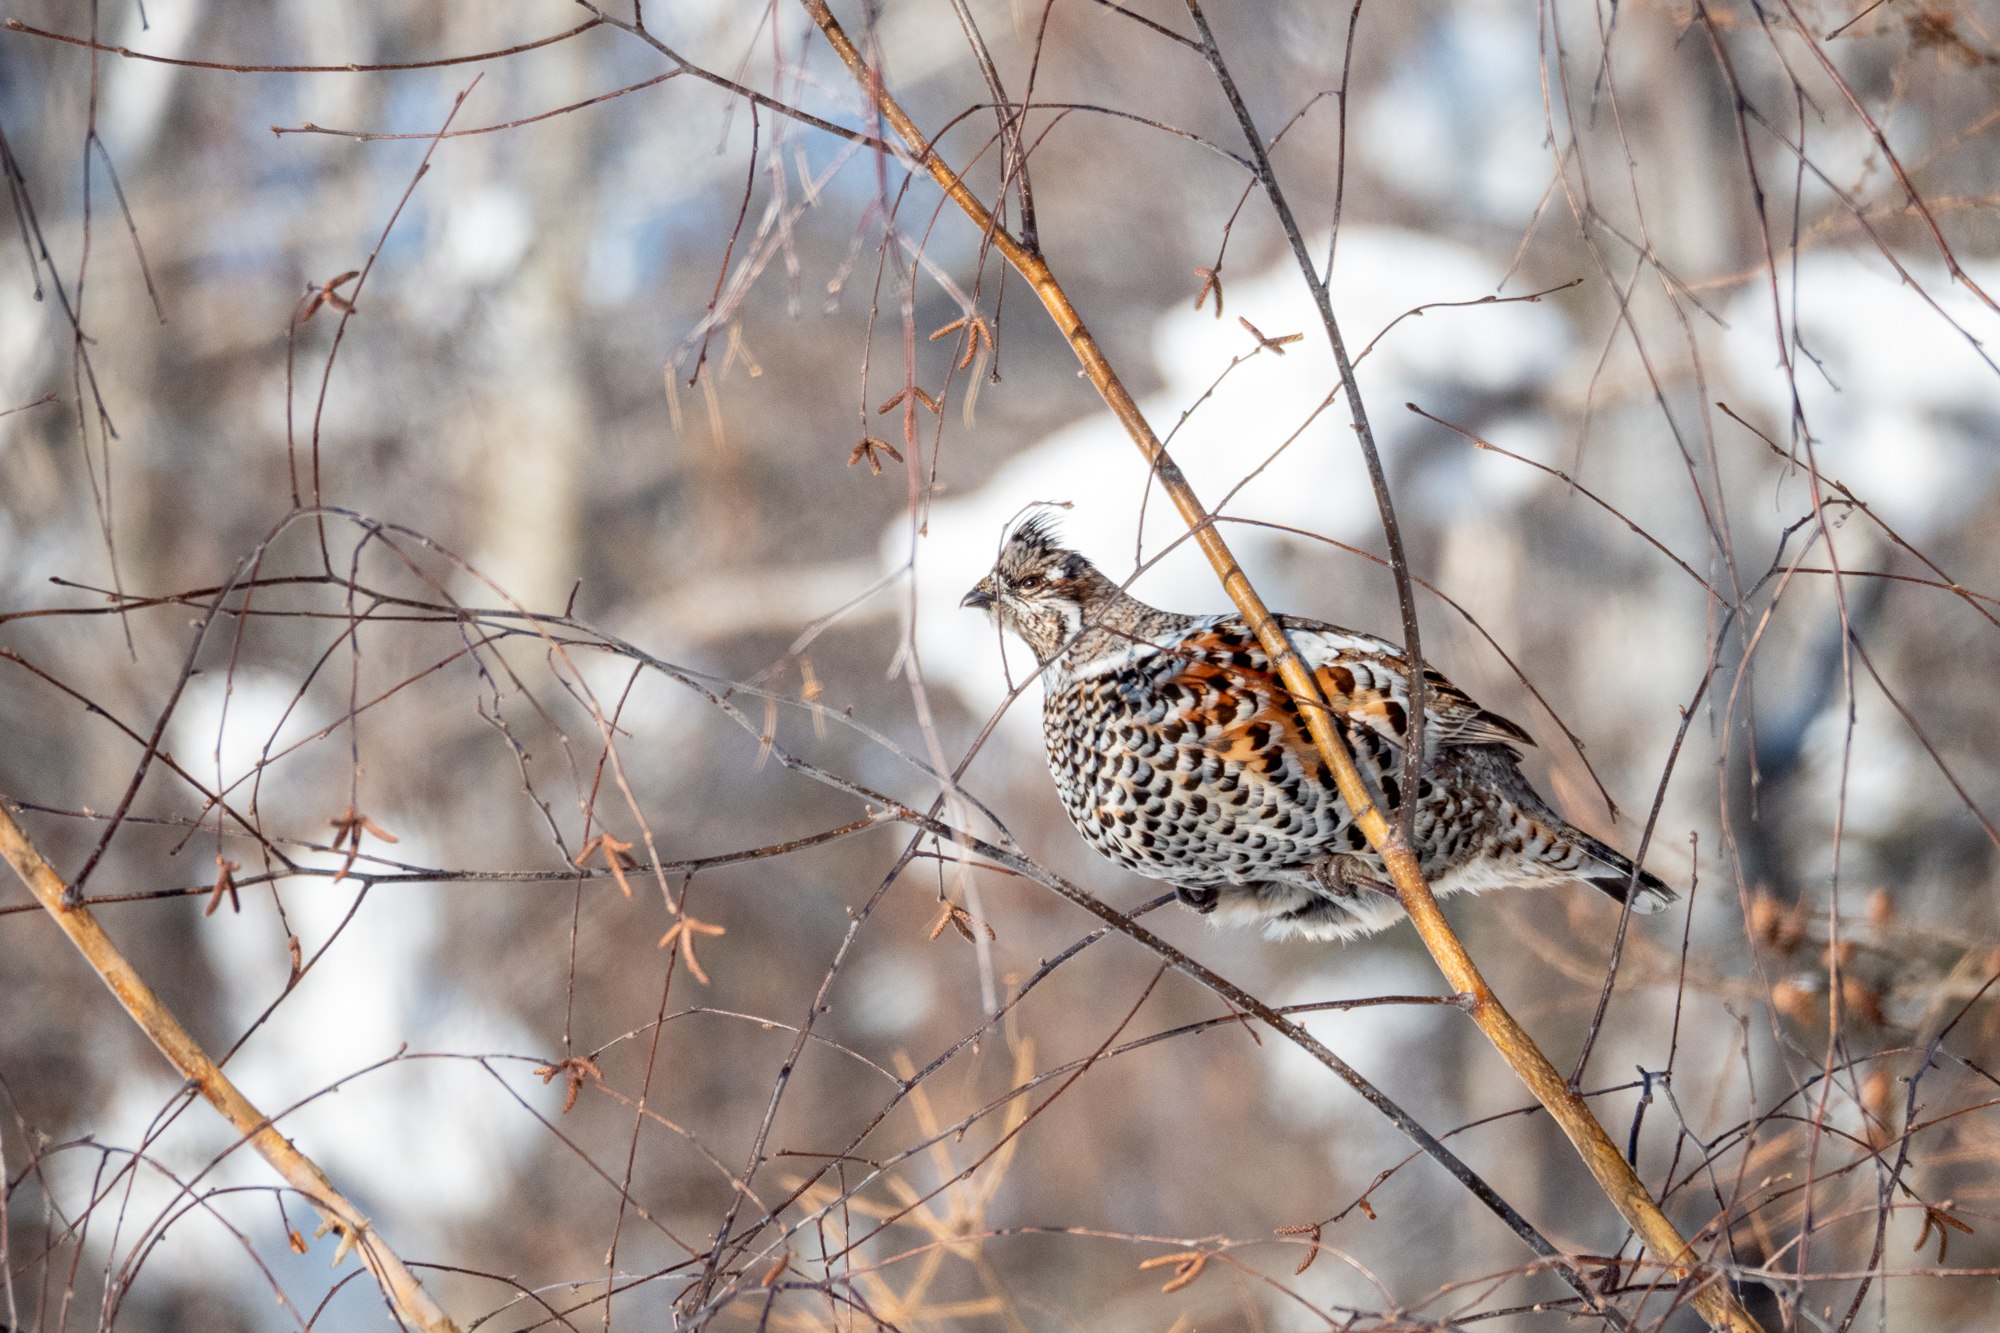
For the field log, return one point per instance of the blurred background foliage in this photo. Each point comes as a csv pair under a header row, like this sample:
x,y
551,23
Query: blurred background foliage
x,y
602,377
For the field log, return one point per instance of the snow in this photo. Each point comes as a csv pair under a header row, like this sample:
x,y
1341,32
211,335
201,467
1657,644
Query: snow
x,y
486,233
1901,405
1450,359
136,93
227,723
1463,125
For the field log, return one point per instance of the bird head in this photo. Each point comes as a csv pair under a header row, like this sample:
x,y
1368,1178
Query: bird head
x,y
1038,588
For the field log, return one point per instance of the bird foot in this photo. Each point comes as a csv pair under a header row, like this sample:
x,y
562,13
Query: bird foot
x,y
1199,900
1348,876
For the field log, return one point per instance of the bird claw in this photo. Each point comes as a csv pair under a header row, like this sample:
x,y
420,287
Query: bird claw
x,y
1347,877
1199,900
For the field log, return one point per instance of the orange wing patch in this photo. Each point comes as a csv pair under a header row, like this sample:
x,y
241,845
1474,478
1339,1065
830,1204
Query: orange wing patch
x,y
1377,709
1366,692
1222,683
1451,717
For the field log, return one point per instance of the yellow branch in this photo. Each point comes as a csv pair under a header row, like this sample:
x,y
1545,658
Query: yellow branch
x,y
1718,1306
407,1295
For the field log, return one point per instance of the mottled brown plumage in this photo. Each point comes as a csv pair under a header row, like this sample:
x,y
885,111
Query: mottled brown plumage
x,y
1179,754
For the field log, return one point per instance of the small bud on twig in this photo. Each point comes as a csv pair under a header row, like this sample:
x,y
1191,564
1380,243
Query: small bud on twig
x,y
348,827
574,1069
868,448
614,857
684,930
1276,344
1211,281
1187,1267
1312,1229
225,882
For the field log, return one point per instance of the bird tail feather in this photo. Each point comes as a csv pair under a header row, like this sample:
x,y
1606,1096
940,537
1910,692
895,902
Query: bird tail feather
x,y
1615,875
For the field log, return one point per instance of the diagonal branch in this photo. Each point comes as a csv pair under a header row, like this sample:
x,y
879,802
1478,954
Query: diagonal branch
x,y
1606,1162
406,1296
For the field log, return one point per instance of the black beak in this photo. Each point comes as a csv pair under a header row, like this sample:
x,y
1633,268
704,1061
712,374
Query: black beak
x,y
977,600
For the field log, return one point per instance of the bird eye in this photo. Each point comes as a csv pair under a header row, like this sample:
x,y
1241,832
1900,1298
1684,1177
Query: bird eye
x,y
1028,582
